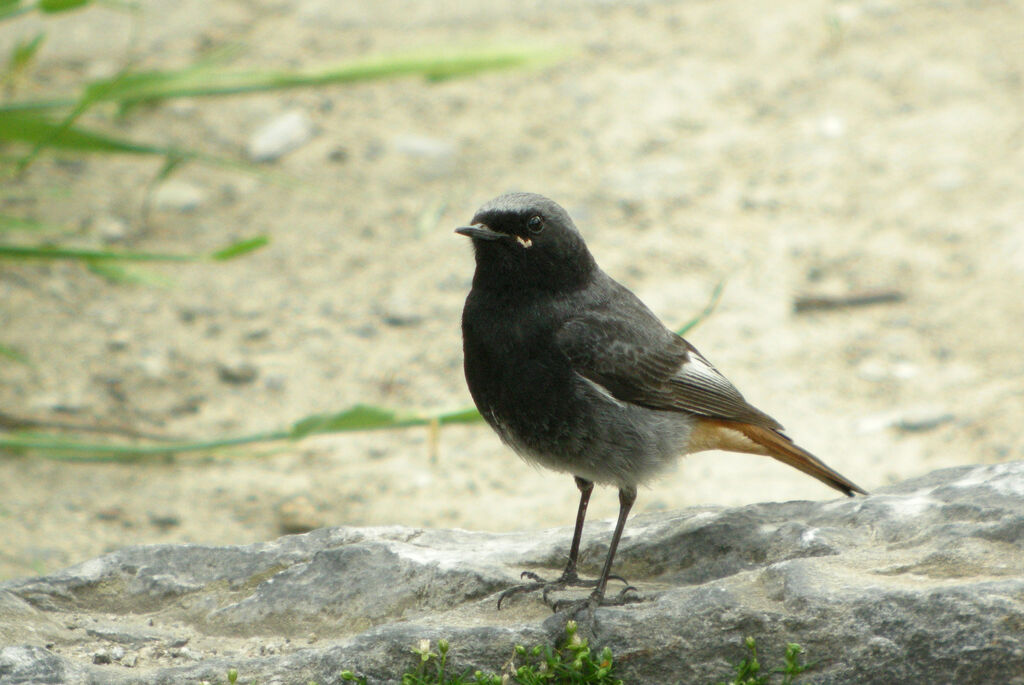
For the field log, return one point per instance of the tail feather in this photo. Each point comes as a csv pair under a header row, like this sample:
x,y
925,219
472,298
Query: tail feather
x,y
785,450
738,436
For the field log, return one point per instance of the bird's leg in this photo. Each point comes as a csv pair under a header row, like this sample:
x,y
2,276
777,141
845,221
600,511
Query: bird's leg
x,y
586,487
569,577
627,496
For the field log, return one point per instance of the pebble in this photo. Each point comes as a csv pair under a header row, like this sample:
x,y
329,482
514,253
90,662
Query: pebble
x,y
923,420
164,520
178,196
401,310
298,514
436,155
280,136
68,400
912,420
187,653
237,373
832,126
153,362
876,370
110,228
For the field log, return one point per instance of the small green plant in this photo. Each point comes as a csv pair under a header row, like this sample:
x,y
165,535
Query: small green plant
x,y
574,662
748,671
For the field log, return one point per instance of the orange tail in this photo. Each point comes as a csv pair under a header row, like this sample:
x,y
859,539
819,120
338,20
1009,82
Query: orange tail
x,y
722,434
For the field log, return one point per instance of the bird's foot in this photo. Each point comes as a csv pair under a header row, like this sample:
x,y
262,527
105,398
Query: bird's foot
x,y
568,579
627,595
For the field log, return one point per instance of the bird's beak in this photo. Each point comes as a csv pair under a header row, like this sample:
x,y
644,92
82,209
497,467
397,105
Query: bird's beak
x,y
480,231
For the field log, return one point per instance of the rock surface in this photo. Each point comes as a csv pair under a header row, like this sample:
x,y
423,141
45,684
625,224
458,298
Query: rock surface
x,y
921,582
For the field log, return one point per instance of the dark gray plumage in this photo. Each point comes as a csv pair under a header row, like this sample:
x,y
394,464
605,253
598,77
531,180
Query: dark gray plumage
x,y
575,373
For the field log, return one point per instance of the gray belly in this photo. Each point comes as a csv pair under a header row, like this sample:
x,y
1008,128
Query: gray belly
x,y
611,442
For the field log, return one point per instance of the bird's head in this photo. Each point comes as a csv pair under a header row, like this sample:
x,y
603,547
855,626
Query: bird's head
x,y
528,241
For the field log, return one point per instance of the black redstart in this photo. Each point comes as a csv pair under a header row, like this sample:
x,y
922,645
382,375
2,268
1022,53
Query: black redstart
x,y
576,374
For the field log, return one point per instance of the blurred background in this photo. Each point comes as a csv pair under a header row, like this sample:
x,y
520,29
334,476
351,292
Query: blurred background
x,y
852,173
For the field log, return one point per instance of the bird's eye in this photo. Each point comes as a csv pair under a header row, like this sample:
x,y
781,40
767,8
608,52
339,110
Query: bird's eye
x,y
535,224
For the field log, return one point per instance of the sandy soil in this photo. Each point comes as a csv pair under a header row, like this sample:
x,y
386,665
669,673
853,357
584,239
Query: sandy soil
x,y
805,147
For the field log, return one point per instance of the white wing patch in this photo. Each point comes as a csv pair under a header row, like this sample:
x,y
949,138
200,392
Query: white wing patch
x,y
699,371
600,389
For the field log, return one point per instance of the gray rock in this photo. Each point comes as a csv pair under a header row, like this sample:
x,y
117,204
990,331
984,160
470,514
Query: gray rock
x,y
921,582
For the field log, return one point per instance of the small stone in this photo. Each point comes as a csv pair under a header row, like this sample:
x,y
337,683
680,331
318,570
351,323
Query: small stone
x,y
923,420
164,521
154,363
110,228
119,340
117,653
110,513
187,653
101,657
68,400
237,373
298,515
832,126
911,420
436,156
280,136
178,196
400,310
276,383
877,370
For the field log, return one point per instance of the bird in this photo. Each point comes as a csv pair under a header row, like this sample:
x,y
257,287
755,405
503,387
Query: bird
x,y
576,374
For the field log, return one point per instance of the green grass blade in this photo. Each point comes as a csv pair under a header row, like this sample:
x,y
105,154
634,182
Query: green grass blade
x,y
11,8
54,6
36,129
366,417
75,450
470,415
240,248
58,252
206,81
127,89
117,272
22,55
709,308
61,252
360,417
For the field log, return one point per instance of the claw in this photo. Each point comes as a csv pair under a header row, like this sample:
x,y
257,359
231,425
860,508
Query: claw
x,y
569,578
592,602
517,589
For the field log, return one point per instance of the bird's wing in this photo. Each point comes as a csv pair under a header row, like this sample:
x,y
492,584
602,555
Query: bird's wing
x,y
637,360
